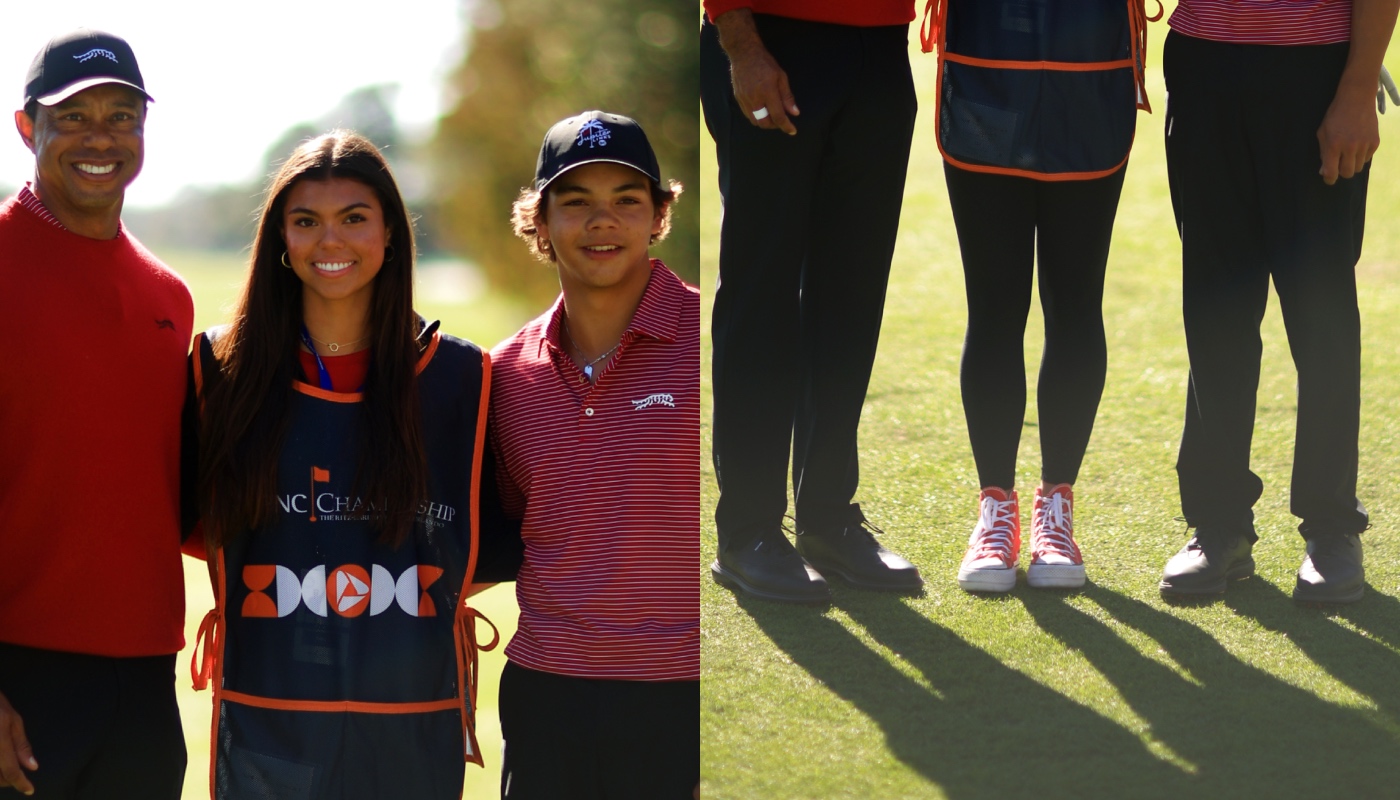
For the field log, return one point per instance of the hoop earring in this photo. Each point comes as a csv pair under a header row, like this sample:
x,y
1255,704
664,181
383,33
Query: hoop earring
x,y
389,253
545,246
284,260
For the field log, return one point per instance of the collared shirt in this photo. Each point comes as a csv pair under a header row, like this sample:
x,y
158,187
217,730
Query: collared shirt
x,y
32,202
605,477
1278,22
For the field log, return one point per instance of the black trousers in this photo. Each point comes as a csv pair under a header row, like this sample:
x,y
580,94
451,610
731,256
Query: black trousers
x,y
572,738
805,247
1243,160
1006,224
101,728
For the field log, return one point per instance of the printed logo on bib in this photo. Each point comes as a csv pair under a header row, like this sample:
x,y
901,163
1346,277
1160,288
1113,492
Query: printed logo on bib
x,y
276,591
328,506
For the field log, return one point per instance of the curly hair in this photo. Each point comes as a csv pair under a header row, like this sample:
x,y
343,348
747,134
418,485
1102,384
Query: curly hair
x,y
530,205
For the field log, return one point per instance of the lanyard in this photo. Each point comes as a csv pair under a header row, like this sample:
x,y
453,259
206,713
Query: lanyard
x,y
322,375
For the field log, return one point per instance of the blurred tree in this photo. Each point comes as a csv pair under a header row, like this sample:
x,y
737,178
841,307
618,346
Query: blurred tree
x,y
225,217
531,63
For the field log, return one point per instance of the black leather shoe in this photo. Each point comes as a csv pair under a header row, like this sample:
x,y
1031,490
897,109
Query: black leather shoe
x,y
771,569
1211,558
1331,571
852,553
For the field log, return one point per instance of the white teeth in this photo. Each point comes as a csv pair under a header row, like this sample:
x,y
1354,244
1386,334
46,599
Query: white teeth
x,y
96,170
602,248
333,266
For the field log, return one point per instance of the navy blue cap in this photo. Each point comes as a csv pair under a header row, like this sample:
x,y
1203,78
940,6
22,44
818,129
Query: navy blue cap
x,y
80,60
592,137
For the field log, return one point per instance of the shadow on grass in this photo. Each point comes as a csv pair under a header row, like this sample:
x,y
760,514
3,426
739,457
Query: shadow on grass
x,y
969,730
1247,733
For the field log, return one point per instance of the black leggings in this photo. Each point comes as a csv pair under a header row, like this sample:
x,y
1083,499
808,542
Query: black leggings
x,y
1004,223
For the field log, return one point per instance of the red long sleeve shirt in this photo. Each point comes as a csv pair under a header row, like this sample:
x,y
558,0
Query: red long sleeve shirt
x,y
93,337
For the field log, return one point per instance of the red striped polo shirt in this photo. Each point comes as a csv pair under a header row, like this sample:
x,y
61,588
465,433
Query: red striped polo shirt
x,y
606,481
1286,22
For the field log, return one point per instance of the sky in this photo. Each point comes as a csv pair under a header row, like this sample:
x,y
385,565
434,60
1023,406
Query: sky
x,y
230,77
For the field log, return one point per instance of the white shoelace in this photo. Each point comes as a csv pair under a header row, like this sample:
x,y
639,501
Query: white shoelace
x,y
1055,524
995,526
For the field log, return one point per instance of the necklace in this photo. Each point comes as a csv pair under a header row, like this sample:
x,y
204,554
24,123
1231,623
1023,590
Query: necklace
x,y
334,347
588,365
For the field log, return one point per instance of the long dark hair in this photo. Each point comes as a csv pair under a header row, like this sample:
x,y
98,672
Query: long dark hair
x,y
246,404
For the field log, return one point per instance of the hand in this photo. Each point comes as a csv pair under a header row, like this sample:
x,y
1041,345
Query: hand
x,y
14,750
1349,134
760,85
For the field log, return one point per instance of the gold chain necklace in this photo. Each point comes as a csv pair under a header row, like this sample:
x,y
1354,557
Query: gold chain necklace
x,y
334,347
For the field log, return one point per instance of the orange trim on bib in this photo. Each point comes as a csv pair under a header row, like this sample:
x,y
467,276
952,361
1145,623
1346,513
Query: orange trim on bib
x,y
1055,66
933,32
428,354
339,706
464,627
356,397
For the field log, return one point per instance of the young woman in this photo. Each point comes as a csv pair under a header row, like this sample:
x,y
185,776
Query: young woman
x,y
346,500
1037,107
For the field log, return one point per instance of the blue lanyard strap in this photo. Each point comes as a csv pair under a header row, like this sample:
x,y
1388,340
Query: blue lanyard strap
x,y
323,376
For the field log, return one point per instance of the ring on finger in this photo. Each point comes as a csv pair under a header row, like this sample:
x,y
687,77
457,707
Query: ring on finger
x,y
760,113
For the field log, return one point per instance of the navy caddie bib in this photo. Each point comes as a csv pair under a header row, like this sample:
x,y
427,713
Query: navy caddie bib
x,y
1043,89
343,667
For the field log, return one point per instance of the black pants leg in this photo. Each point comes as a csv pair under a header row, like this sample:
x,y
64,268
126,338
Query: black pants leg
x,y
1005,223
581,739
805,247
1243,159
100,727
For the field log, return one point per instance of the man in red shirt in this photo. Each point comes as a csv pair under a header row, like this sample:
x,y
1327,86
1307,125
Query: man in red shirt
x,y
94,331
1270,129
596,425
811,209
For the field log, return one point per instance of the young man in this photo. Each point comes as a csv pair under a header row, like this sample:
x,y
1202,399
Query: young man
x,y
596,425
811,209
94,332
1270,130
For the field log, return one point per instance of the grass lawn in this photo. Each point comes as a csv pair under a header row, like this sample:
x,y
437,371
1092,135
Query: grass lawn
x,y
214,280
1107,692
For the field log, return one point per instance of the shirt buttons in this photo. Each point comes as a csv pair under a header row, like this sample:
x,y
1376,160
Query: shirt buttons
x,y
588,412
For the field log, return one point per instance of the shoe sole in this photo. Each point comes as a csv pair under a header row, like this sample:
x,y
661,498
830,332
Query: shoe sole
x,y
735,583
1307,598
904,585
1238,572
1055,576
987,580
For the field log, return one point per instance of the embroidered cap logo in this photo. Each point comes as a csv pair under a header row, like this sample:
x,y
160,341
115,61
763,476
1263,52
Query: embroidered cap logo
x,y
94,53
594,134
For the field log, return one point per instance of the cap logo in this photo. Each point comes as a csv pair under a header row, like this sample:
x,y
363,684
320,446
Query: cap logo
x,y
593,134
94,53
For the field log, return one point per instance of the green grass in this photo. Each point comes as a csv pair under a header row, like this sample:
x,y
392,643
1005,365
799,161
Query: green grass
x,y
214,280
1104,693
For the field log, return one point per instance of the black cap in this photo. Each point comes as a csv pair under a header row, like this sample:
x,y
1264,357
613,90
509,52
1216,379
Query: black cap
x,y
591,137
80,60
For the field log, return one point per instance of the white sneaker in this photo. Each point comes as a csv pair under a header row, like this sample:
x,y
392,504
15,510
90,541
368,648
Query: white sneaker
x,y
1056,562
990,562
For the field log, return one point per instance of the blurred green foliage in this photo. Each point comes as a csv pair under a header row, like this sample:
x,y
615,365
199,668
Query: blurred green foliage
x,y
531,63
